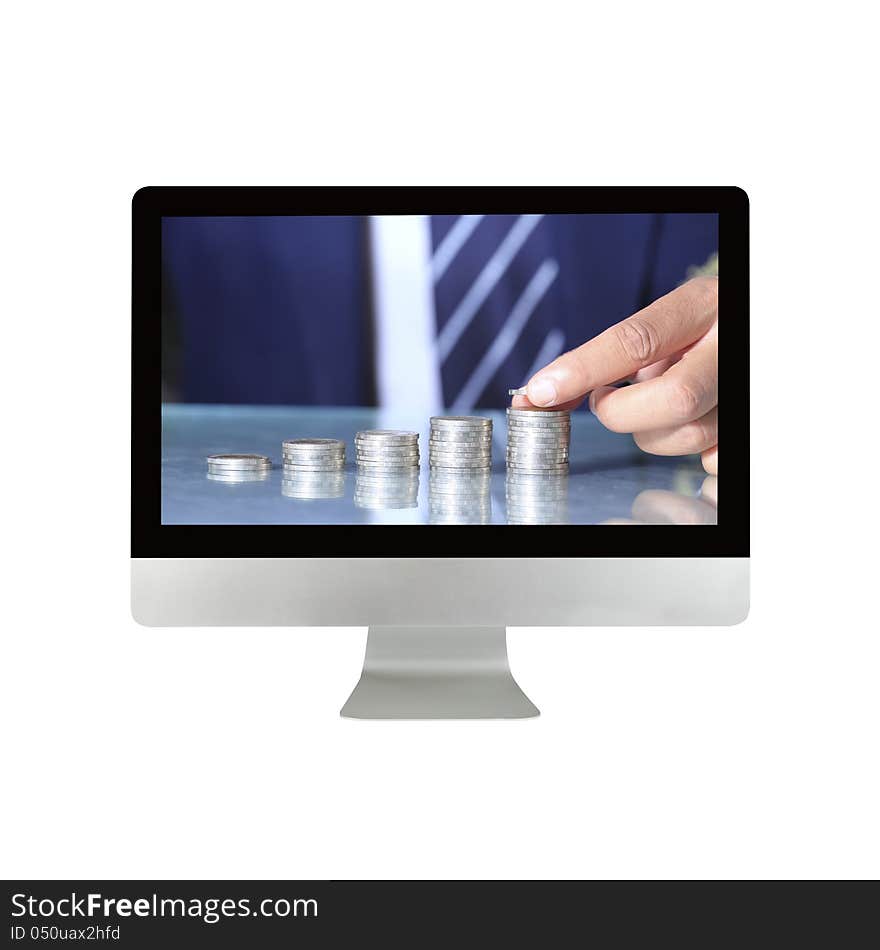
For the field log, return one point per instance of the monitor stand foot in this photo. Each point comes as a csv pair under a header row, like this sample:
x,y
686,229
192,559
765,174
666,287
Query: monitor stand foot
x,y
437,673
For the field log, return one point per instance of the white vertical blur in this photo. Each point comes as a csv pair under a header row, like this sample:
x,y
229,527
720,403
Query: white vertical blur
x,y
407,367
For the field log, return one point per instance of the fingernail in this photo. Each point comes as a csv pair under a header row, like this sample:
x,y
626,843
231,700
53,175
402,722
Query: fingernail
x,y
592,402
542,392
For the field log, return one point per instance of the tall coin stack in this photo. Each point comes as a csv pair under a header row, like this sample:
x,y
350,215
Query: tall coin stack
x,y
238,468
460,444
538,441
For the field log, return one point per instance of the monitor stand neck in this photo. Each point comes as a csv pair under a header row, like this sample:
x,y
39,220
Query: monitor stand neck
x,y
437,673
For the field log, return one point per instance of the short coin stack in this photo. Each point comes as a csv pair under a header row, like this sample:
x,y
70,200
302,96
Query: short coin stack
x,y
387,452
238,468
460,444
538,441
312,455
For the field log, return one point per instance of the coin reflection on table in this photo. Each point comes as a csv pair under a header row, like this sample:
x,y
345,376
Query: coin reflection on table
x,y
381,491
312,485
537,499
459,498
236,476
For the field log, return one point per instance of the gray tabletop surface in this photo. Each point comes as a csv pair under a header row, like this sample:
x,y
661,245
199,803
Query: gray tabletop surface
x,y
610,479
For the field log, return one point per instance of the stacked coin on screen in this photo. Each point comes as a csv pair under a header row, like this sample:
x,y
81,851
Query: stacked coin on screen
x,y
537,499
388,490
238,467
313,455
460,443
387,451
459,497
538,441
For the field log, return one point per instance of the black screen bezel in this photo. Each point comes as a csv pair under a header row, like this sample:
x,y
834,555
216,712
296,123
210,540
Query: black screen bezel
x,y
150,538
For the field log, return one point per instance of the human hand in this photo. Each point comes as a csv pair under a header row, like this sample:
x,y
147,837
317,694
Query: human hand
x,y
669,351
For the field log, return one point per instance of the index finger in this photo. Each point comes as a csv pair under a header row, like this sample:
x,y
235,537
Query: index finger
x,y
661,329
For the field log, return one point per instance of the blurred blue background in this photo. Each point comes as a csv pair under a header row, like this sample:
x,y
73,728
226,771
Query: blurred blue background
x,y
443,310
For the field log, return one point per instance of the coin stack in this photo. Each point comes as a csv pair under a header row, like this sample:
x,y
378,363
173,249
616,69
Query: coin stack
x,y
460,444
387,452
312,455
459,498
537,499
238,468
538,441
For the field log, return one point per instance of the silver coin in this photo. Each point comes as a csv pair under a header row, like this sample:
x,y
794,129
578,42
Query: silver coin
x,y
447,466
477,450
238,460
461,421
538,424
481,452
235,470
313,444
532,413
387,453
474,448
539,432
239,471
297,453
390,435
539,444
381,467
531,450
460,435
312,455
402,462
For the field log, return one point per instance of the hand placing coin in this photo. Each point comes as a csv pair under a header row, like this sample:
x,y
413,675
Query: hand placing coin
x,y
669,354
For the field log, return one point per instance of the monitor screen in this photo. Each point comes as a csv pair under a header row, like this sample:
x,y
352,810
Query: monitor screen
x,y
438,369
446,366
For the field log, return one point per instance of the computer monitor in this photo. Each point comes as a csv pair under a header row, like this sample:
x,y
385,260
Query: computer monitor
x,y
336,420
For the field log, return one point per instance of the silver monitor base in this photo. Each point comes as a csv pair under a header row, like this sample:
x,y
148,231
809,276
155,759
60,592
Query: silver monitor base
x,y
437,673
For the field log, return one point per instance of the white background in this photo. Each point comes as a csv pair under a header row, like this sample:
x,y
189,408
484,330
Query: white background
x,y
749,751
